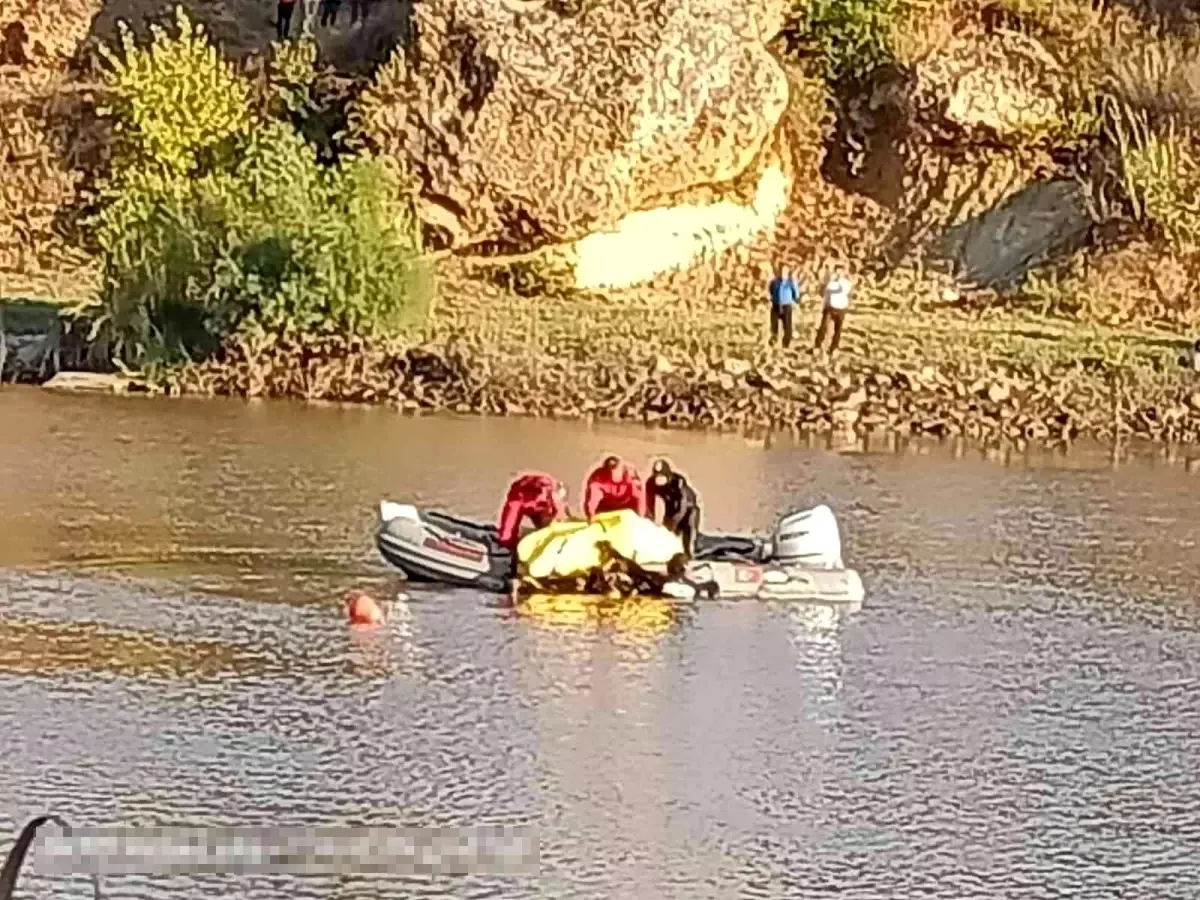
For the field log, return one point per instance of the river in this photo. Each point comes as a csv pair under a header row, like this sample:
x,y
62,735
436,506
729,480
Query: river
x,y
1012,712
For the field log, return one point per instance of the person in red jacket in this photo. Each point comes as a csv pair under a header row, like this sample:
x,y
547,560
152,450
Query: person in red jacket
x,y
534,496
613,485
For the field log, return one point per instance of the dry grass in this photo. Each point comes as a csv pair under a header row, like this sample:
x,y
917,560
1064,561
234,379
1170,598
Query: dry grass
x,y
900,321
1157,75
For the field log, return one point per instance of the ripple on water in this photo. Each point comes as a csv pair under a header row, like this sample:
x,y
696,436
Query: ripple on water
x,y
1011,714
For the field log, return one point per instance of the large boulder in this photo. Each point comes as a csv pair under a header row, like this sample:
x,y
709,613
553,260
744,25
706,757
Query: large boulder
x,y
529,125
1004,84
1041,222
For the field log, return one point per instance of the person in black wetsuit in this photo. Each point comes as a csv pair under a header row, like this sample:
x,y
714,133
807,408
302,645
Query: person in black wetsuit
x,y
681,508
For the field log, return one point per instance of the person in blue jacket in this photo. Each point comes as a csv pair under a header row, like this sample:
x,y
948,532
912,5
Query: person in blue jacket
x,y
785,294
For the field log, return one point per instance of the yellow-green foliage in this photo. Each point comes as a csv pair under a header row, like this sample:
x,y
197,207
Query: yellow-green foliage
x,y
848,38
294,73
378,117
1151,110
173,100
1162,181
258,238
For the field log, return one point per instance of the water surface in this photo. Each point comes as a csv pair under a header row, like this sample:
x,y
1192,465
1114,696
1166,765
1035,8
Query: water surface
x,y
1011,714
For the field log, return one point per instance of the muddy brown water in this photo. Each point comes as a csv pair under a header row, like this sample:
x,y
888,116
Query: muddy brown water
x,y
1012,713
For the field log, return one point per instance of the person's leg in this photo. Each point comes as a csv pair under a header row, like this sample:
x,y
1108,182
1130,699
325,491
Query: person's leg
x,y
821,328
406,14
284,20
774,322
786,313
838,315
689,526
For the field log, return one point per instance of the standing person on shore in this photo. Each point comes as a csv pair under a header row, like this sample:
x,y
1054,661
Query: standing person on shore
x,y
785,294
283,18
613,485
329,12
837,301
358,12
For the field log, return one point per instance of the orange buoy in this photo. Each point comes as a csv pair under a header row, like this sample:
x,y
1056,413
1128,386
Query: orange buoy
x,y
362,609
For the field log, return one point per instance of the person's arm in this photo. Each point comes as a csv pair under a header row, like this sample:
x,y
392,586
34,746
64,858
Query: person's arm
x,y
510,521
639,494
651,501
593,493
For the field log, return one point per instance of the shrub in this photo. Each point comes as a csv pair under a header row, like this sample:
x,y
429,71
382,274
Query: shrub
x,y
849,38
1150,105
258,238
293,72
1162,181
173,100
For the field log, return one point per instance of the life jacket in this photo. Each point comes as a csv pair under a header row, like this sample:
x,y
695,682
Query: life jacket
x,y
603,493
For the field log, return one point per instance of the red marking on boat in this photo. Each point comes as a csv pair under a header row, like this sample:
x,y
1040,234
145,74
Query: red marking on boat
x,y
748,574
454,548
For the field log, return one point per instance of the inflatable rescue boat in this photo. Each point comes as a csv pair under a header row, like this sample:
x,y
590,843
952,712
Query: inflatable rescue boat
x,y
800,560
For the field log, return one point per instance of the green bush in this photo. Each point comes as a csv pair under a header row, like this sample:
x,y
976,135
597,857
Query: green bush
x,y
848,38
259,237
1160,173
173,100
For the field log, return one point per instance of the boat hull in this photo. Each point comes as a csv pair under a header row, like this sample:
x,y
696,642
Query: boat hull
x,y
435,548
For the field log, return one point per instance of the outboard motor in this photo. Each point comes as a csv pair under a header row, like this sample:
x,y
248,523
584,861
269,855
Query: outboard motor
x,y
809,538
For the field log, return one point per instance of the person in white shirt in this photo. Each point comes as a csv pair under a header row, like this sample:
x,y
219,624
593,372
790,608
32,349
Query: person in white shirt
x,y
837,301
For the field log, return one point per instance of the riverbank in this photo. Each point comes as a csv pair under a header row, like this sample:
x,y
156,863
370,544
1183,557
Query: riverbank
x,y
935,368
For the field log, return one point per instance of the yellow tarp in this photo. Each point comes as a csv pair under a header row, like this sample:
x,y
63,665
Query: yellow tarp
x,y
571,549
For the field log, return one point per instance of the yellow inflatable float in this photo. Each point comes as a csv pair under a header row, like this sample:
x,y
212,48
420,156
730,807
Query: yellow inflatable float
x,y
574,549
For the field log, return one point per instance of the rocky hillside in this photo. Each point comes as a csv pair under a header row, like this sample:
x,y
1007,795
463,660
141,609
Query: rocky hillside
x,y
657,142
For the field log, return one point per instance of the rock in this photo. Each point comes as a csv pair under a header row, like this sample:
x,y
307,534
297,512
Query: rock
x,y
998,392
854,400
844,417
27,351
766,382
663,366
1037,224
91,382
533,126
736,367
726,381
1005,83
1194,400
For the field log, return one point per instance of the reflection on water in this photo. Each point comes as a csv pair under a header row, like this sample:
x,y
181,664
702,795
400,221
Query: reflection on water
x,y
1012,713
633,616
43,647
